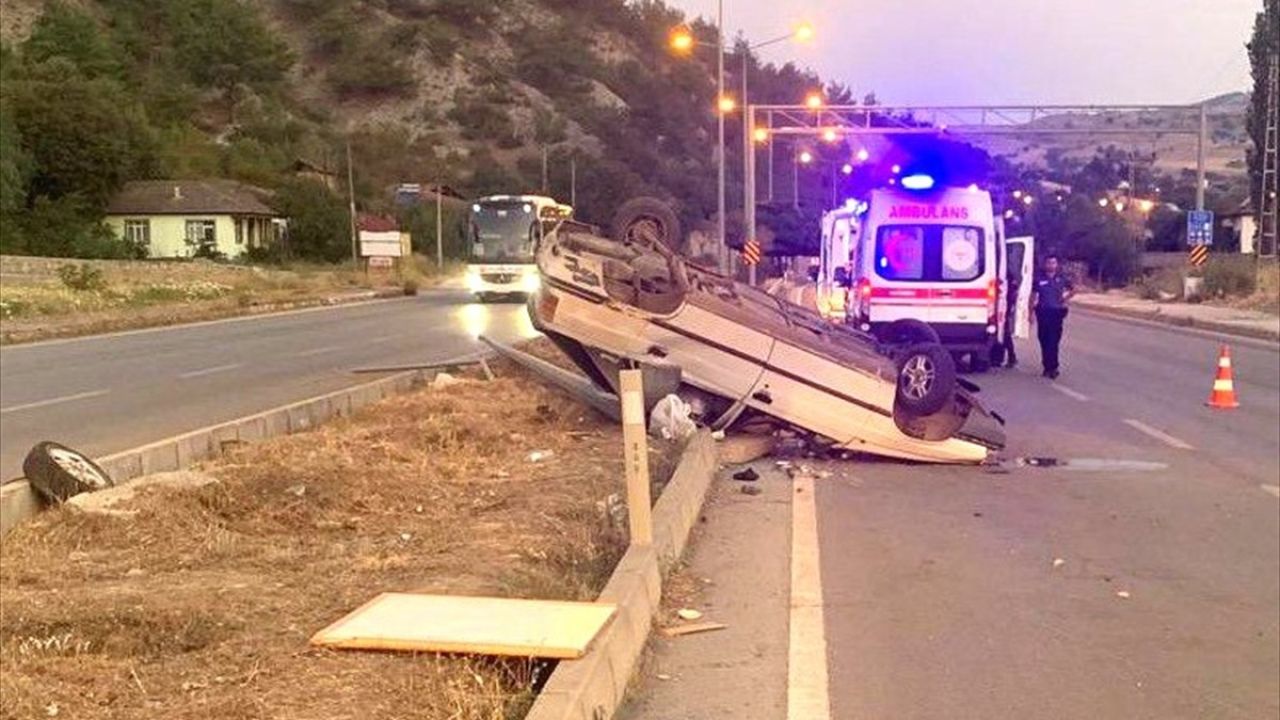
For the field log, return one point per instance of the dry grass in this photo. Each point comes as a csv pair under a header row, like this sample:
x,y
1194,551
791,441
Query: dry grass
x,y
202,606
36,304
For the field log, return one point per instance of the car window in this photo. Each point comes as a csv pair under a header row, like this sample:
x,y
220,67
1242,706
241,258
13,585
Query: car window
x,y
900,252
961,253
931,253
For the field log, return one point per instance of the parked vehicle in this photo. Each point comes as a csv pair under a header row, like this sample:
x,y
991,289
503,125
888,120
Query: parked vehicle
x,y
923,265
742,355
503,231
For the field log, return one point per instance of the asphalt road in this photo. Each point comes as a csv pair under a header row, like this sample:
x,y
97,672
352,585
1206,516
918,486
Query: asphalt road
x,y
1146,585
107,393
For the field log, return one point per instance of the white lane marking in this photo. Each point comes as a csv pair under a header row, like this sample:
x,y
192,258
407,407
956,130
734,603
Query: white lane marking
x,y
1160,435
210,370
1273,489
807,692
317,351
1069,392
54,401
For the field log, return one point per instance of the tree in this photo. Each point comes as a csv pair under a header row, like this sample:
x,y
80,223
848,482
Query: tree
x,y
66,32
1264,43
319,224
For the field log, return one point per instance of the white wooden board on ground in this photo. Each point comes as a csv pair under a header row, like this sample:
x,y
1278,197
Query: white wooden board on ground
x,y
478,625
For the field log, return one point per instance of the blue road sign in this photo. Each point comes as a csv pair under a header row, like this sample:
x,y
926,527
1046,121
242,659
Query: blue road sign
x,y
1199,227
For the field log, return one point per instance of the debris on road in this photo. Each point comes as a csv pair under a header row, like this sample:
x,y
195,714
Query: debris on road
x,y
689,614
443,380
670,419
1122,594
751,490
475,625
692,628
1059,562
748,475
56,472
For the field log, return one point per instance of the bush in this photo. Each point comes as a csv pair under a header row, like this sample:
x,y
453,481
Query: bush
x,y
410,287
83,277
1230,276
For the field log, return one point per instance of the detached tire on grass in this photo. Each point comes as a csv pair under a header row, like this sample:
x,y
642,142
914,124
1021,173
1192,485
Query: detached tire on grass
x,y
57,472
926,378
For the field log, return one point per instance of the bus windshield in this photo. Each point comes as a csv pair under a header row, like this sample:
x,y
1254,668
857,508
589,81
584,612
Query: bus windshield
x,y
503,231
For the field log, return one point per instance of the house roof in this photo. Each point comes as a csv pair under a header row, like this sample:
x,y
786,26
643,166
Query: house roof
x,y
377,223
189,197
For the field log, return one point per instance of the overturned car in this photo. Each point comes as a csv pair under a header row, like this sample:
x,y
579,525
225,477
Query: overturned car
x,y
740,356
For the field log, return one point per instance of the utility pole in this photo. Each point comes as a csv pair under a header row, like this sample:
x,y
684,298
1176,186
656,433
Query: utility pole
x,y
351,198
544,169
439,225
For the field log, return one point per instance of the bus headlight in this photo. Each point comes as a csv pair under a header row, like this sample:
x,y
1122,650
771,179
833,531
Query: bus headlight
x,y
531,283
474,283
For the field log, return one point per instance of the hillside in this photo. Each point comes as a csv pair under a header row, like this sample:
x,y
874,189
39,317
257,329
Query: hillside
x,y
458,92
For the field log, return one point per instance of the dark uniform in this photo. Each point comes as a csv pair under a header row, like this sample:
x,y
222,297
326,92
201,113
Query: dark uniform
x,y
1051,312
1010,321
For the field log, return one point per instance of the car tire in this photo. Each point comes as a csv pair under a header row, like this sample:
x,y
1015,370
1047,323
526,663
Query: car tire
x,y
57,472
644,220
926,378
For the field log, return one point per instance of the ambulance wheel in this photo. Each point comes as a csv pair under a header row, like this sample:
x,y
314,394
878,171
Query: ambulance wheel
x,y
905,332
926,378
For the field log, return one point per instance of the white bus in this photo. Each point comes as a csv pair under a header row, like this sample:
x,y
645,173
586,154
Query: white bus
x,y
503,231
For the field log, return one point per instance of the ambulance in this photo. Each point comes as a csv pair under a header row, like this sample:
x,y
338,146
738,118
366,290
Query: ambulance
x,y
932,264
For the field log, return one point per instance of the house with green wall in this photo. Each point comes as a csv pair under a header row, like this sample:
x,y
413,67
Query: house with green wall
x,y
187,218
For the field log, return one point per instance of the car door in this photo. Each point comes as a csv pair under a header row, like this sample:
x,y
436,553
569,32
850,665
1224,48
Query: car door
x,y
1020,264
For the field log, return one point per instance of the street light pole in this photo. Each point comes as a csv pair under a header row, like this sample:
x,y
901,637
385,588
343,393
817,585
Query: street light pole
x,y
724,249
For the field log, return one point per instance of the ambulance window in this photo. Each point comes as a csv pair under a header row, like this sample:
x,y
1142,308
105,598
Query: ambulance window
x,y
900,252
961,253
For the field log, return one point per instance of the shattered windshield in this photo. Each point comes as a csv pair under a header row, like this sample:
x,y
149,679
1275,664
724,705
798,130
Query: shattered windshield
x,y
503,232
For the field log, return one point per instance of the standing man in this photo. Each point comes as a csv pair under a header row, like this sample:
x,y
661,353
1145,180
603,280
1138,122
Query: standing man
x,y
1049,297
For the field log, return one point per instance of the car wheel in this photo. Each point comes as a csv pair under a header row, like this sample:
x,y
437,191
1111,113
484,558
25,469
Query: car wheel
x,y
926,378
644,221
57,472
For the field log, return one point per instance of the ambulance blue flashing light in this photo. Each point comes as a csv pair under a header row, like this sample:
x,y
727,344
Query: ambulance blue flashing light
x,y
918,182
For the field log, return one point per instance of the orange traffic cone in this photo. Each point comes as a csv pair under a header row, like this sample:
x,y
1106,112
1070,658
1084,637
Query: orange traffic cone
x,y
1224,391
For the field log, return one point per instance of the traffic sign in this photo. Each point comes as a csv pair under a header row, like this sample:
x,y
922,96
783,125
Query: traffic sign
x,y
751,252
1199,227
1199,255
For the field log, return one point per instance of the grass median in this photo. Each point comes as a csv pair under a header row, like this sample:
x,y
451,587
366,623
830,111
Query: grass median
x,y
201,604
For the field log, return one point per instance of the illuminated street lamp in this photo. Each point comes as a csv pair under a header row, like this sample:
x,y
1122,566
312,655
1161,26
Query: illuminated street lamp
x,y
727,104
682,40
761,134
806,157
863,155
847,169
1102,202
1026,200
1017,194
1145,205
830,135
896,169
813,101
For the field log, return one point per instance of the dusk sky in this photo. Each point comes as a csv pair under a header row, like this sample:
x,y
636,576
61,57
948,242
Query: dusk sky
x,y
1010,51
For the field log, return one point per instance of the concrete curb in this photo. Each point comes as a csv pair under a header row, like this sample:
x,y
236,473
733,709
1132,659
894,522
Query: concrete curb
x,y
19,502
1186,326
593,687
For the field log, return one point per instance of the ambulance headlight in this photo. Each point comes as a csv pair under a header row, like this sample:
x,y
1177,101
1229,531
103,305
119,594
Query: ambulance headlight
x,y
531,282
